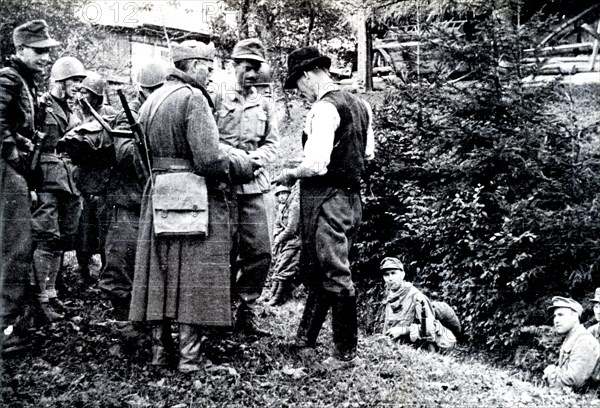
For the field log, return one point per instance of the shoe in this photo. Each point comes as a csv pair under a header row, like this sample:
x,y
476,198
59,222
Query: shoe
x,y
280,293
57,305
12,341
300,344
49,313
333,363
245,322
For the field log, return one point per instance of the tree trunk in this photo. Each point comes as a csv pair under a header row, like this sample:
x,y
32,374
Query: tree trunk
x,y
244,24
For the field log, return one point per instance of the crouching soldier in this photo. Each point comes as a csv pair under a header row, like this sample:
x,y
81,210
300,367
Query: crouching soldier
x,y
286,244
410,315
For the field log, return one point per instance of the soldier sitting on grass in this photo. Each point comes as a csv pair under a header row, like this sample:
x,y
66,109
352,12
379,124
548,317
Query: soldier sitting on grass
x,y
580,350
410,315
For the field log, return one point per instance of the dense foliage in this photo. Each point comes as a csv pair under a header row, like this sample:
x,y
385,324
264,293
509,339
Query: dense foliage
x,y
283,26
485,190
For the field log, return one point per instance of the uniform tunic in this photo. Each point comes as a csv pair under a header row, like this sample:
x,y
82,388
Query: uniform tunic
x,y
577,359
116,278
94,175
56,217
249,124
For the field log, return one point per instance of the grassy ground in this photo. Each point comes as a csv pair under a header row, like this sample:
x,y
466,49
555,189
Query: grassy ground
x,y
81,362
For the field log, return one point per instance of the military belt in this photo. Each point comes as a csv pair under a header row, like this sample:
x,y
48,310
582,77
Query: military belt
x,y
171,164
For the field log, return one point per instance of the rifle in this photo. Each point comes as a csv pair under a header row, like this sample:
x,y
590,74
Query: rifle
x,y
140,139
112,132
36,150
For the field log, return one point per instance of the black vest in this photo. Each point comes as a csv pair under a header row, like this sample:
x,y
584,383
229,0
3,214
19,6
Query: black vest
x,y
347,163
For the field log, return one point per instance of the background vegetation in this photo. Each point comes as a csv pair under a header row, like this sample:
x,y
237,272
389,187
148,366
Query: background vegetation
x,y
487,188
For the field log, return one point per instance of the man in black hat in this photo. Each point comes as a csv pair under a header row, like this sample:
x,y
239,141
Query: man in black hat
x,y
337,141
19,120
248,125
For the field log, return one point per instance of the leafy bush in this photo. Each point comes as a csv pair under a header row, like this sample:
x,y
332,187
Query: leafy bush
x,y
486,190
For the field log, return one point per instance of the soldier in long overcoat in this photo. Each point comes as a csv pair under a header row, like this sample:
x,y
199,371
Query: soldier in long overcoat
x,y
185,279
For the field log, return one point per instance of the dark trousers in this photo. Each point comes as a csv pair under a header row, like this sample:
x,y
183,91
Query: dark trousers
x,y
116,279
15,240
251,253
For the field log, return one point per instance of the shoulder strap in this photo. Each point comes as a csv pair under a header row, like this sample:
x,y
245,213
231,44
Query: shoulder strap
x,y
162,99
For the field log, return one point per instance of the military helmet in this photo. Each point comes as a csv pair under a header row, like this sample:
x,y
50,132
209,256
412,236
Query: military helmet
x,y
65,68
282,189
152,74
94,83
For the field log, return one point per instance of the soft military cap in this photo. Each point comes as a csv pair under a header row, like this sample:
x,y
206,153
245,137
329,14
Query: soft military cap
x,y
391,263
559,301
596,298
249,49
192,49
34,34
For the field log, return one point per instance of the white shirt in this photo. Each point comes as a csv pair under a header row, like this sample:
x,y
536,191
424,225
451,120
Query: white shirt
x,y
321,123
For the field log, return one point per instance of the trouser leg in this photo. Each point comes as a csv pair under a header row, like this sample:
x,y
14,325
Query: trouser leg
x,y
15,244
251,255
116,278
52,274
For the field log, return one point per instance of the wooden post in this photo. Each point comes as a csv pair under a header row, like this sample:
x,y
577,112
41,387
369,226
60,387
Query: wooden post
x,y
364,65
369,55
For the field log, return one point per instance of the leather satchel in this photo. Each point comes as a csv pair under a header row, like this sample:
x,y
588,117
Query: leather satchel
x,y
180,203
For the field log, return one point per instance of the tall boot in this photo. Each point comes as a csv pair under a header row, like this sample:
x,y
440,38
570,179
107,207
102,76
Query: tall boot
x,y
189,348
313,317
83,267
344,327
52,275
162,344
44,263
120,307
